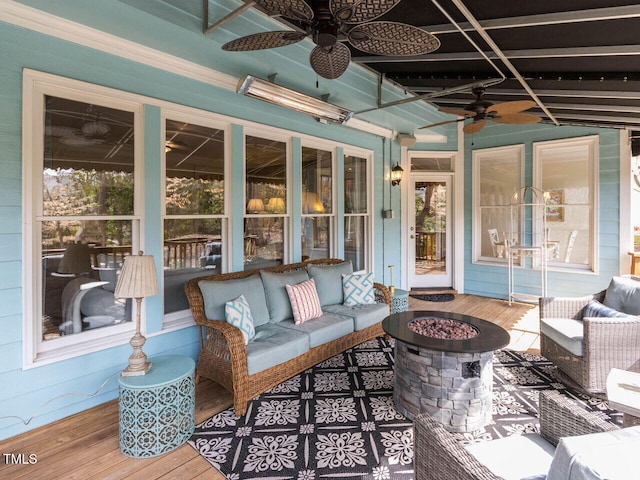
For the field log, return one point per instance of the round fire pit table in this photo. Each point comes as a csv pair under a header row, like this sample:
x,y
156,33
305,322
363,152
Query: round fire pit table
x,y
450,379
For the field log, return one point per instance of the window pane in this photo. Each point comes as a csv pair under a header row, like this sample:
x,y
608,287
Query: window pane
x,y
355,241
316,181
316,232
355,185
192,248
81,261
88,159
195,169
266,175
440,164
567,183
263,242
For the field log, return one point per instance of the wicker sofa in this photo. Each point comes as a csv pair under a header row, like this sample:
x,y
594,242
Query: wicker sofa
x,y
440,456
224,357
584,343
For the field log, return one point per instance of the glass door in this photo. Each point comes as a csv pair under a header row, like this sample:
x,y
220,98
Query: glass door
x,y
429,232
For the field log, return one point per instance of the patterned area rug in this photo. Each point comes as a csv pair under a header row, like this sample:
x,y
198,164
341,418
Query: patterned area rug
x,y
337,420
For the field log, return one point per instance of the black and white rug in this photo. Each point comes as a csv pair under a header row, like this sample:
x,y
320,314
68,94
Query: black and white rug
x,y
337,420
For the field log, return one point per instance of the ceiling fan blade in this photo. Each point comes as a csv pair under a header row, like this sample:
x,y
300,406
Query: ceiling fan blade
x,y
474,127
330,62
261,41
443,123
518,118
391,38
360,11
294,9
511,107
459,112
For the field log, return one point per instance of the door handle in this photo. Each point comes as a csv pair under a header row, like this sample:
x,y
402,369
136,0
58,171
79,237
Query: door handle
x,y
412,236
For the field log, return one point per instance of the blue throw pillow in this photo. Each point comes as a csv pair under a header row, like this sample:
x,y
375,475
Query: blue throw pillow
x,y
358,289
238,314
596,309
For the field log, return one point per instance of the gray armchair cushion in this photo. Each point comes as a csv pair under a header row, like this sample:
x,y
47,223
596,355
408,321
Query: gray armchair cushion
x,y
566,332
623,294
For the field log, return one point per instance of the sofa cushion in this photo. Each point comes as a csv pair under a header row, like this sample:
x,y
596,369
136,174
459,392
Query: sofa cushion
x,y
305,304
323,329
363,315
217,293
238,314
273,345
596,309
358,289
597,456
329,281
276,293
535,452
623,294
566,332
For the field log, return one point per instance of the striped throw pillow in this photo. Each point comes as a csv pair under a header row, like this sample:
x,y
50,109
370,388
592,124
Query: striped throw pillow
x,y
358,289
305,303
238,314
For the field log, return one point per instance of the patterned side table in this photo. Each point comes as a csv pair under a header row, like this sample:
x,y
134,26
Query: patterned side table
x,y
157,410
400,301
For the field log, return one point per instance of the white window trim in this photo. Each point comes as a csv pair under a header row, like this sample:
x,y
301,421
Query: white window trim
x,y
182,318
369,224
36,85
518,153
593,143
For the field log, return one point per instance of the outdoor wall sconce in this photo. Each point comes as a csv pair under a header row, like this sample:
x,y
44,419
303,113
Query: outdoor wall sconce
x,y
396,175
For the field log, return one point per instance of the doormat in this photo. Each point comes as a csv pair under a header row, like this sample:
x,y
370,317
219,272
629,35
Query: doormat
x,y
338,420
434,297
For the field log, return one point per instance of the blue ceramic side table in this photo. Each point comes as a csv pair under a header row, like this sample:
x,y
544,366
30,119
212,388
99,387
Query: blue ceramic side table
x,y
157,410
400,301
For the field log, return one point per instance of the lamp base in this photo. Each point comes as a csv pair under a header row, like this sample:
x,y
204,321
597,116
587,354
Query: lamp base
x,y
129,372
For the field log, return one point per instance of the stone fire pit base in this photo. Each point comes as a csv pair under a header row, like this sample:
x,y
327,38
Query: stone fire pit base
x,y
454,388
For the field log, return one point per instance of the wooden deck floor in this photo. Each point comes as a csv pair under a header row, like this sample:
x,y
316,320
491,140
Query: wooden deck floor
x,y
85,446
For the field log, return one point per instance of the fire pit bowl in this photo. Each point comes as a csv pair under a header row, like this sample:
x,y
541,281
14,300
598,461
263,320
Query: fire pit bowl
x,y
444,366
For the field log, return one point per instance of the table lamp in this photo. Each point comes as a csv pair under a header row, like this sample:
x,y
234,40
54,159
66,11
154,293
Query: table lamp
x,y
137,280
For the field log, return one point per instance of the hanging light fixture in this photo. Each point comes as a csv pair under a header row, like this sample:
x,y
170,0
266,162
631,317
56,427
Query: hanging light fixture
x,y
396,175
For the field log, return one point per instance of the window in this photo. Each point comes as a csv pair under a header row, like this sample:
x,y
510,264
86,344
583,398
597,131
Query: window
x,y
194,223
317,203
497,175
265,224
356,211
80,187
567,171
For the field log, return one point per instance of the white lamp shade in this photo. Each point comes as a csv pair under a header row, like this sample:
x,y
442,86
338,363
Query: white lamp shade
x,y
276,205
311,203
138,278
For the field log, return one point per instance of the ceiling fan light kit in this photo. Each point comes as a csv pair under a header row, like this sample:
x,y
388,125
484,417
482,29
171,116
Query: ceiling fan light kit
x,y
284,97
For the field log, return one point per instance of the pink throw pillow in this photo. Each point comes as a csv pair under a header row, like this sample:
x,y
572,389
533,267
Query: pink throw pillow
x,y
305,303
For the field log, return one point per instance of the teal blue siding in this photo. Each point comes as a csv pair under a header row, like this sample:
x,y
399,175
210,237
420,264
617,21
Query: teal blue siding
x,y
492,280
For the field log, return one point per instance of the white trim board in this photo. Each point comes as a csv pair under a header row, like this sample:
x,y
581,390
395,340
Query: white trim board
x,y
39,21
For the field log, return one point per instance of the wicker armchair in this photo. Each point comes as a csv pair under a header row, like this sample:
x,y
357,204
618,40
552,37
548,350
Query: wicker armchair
x,y
606,343
439,456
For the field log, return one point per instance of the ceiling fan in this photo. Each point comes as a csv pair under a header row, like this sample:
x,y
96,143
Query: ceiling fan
x,y
482,110
325,21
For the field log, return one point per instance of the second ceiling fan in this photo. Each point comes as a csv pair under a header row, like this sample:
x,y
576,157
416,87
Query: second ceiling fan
x,y
481,111
329,21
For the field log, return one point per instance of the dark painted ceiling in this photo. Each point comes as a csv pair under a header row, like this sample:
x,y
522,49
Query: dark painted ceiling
x,y
578,59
